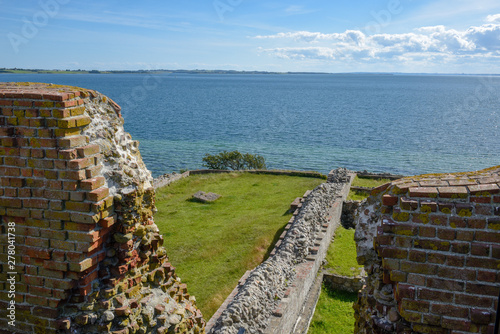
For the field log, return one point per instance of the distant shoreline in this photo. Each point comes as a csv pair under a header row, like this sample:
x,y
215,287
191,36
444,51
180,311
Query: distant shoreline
x,y
164,71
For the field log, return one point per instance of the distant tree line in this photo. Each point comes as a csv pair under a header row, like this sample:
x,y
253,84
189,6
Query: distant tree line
x,y
234,161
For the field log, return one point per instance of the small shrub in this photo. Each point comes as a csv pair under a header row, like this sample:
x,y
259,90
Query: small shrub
x,y
234,160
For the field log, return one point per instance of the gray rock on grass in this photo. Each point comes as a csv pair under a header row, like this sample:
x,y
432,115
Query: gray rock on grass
x,y
206,197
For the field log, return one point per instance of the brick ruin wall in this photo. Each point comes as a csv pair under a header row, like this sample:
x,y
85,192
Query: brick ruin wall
x,y
431,247
77,228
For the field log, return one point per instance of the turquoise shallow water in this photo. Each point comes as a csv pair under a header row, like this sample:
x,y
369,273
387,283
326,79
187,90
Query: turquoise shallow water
x,y
394,123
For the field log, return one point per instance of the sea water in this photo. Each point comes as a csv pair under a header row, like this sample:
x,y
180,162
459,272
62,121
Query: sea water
x,y
405,124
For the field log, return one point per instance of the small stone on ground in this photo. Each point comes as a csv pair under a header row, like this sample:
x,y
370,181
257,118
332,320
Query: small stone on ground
x,y
206,197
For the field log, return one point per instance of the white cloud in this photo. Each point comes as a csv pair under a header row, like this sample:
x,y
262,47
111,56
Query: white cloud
x,y
493,18
435,43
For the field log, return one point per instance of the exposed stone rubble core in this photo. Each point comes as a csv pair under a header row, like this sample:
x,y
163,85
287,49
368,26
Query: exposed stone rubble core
x,y
89,255
431,247
266,285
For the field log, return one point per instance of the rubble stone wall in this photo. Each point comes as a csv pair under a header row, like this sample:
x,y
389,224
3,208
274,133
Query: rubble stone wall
x,y
431,247
80,252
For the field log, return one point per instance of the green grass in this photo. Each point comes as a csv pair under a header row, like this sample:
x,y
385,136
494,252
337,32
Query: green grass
x,y
368,182
341,255
334,313
213,245
357,195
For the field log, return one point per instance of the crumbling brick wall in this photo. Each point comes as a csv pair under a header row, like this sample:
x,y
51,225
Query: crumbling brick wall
x,y
431,247
80,250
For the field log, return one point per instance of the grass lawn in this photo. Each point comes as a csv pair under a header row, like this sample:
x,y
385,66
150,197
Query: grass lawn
x,y
341,255
213,245
356,195
334,313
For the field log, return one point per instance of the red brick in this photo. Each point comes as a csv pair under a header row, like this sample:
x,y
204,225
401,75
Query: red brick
x,y
92,184
62,284
480,262
455,260
41,253
408,204
481,316
45,312
411,316
393,252
427,231
397,276
418,268
432,244
70,185
431,192
455,324
68,154
11,202
460,247
428,206
36,300
84,218
455,273
480,249
88,150
77,206
482,289
432,182
37,242
440,220
92,172
36,203
77,196
107,222
72,142
382,240
494,224
453,192
486,276
477,223
379,189
445,284
63,245
446,234
482,200
418,256
33,280
57,195
414,305
98,194
416,279
433,320
450,310
488,236
474,300
495,251
389,200
463,209
484,189
72,175
435,295
53,265
80,163
485,210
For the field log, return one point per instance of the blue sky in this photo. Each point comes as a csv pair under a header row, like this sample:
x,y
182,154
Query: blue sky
x,y
416,36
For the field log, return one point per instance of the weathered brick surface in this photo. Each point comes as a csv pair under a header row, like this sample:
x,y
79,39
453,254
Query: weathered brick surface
x,y
70,265
444,274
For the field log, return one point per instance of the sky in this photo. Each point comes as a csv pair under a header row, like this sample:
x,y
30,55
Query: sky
x,y
409,36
